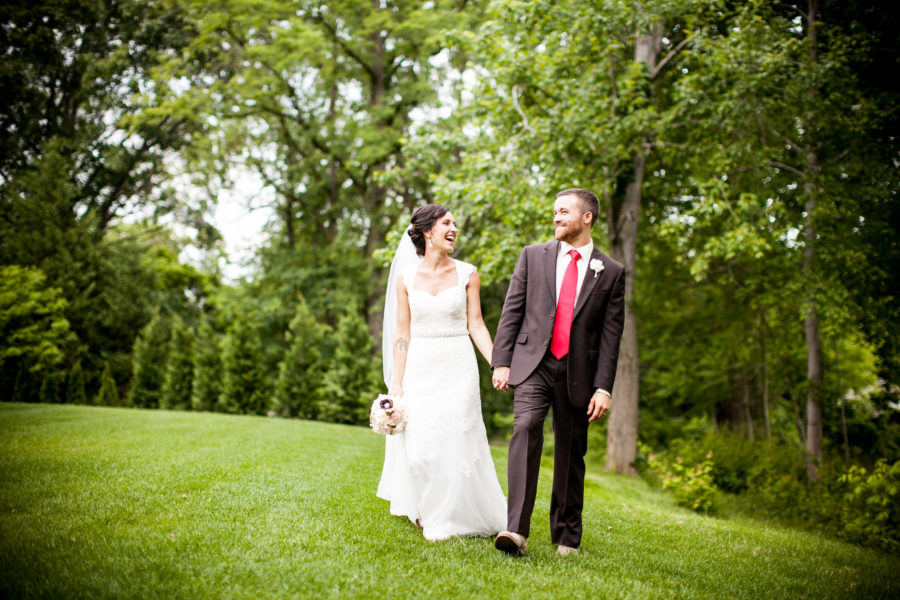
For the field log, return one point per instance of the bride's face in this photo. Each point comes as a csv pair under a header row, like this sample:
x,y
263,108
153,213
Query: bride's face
x,y
444,232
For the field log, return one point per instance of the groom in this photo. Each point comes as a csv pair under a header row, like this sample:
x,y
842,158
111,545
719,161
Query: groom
x,y
557,345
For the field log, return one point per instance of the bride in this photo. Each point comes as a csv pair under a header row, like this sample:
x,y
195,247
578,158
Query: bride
x,y
439,471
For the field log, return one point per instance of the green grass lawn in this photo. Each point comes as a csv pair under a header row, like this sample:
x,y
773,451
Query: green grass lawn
x,y
100,502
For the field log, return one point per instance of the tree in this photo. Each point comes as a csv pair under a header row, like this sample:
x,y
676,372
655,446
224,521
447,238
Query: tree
x,y
75,393
300,379
109,391
74,159
353,379
149,360
316,98
70,75
179,371
49,392
33,327
207,368
244,385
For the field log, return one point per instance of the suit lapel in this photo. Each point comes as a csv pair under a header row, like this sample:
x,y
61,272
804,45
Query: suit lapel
x,y
550,252
590,280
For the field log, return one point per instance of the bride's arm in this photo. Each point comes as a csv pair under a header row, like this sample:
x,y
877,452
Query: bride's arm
x,y
477,329
401,339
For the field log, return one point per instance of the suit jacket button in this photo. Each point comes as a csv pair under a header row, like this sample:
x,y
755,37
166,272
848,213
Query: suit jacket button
x,y
545,343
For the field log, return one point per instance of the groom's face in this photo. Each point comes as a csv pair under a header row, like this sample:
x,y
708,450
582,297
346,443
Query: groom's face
x,y
569,219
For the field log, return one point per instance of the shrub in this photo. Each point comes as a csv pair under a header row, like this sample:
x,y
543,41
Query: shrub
x,y
871,505
75,393
692,488
109,391
207,373
178,375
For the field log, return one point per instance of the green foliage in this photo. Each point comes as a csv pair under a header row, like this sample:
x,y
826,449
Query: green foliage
x,y
353,378
299,382
244,385
870,507
70,77
149,362
26,387
75,393
207,372
692,487
109,391
49,392
179,372
33,326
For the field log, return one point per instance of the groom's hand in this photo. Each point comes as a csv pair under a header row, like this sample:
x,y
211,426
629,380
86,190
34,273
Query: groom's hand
x,y
500,379
598,407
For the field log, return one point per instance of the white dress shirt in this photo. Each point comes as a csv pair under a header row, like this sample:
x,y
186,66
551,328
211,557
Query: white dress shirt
x,y
562,263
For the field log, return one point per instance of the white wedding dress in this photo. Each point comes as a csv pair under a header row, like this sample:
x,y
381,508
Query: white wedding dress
x,y
439,471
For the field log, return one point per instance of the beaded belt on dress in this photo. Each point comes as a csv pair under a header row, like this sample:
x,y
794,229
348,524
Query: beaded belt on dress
x,y
437,334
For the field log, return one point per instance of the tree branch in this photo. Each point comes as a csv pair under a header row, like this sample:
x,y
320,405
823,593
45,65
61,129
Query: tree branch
x,y
332,31
515,101
789,168
661,65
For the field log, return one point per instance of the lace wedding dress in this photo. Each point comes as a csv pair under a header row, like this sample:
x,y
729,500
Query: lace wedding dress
x,y
439,470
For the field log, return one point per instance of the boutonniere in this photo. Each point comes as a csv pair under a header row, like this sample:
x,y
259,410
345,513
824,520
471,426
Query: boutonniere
x,y
596,266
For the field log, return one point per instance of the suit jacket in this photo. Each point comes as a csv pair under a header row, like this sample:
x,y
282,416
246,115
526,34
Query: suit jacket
x,y
526,323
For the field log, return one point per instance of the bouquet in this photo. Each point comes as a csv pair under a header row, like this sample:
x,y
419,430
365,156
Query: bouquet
x,y
387,416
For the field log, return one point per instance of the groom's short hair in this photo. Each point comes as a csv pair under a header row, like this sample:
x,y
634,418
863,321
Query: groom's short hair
x,y
589,201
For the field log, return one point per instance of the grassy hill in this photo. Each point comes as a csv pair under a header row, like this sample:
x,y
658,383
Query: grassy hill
x,y
98,502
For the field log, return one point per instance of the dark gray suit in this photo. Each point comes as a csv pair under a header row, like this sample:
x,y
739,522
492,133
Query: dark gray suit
x,y
540,380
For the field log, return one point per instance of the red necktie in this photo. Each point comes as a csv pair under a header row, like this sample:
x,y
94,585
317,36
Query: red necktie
x,y
565,308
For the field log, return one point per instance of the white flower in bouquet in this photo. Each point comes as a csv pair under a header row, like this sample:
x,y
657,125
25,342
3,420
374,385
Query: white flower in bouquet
x,y
387,416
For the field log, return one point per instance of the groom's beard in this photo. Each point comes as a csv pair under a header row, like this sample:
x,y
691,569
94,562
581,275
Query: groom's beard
x,y
566,232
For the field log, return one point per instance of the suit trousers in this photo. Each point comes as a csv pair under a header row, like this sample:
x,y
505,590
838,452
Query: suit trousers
x,y
544,388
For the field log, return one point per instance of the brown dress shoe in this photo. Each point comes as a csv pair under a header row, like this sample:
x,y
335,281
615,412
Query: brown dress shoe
x,y
566,550
511,543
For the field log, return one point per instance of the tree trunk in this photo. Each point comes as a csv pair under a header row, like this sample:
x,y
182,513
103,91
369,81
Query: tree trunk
x,y
289,216
765,374
730,410
837,366
745,402
811,322
374,198
621,445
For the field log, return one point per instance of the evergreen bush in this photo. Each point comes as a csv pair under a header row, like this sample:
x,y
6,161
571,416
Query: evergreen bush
x,y
354,377
179,372
149,360
207,374
108,395
243,382
49,392
75,393
300,381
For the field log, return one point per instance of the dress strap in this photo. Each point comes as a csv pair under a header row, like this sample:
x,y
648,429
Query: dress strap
x,y
409,277
464,270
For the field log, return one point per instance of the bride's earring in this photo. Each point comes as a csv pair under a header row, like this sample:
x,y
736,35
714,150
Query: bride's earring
x,y
430,245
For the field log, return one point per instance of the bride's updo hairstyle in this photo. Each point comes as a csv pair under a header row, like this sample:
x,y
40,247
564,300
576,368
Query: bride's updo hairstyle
x,y
423,219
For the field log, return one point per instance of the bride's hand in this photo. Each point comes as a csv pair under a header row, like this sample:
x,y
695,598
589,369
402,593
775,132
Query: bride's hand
x,y
396,391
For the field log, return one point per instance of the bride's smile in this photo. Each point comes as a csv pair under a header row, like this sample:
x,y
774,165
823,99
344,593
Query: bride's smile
x,y
443,236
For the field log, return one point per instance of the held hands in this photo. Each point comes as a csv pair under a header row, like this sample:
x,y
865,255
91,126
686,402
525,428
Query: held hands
x,y
500,378
598,407
396,390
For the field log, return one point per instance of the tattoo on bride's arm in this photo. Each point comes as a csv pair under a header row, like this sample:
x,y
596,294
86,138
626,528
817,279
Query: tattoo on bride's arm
x,y
402,344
